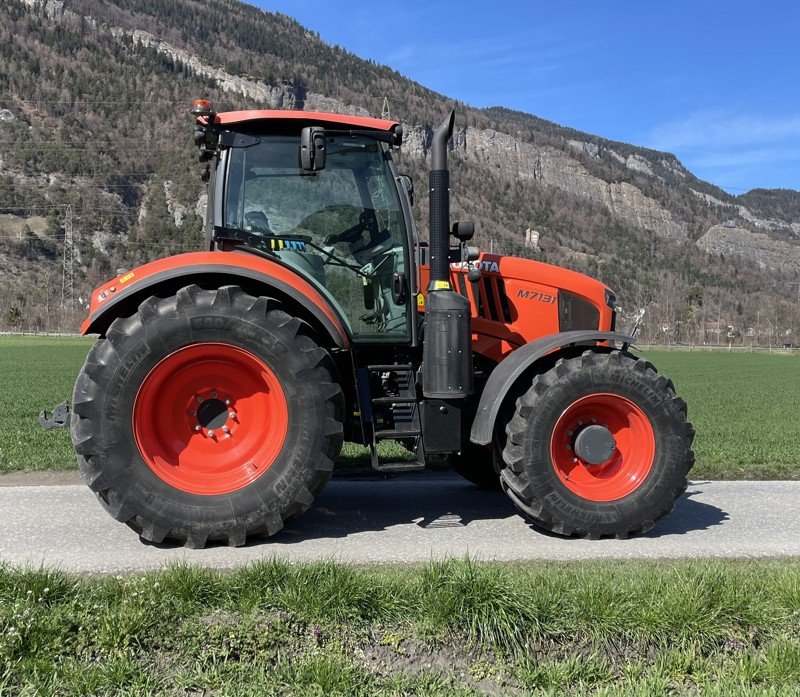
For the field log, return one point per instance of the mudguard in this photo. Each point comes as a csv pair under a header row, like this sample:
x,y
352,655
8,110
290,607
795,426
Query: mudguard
x,y
124,293
511,368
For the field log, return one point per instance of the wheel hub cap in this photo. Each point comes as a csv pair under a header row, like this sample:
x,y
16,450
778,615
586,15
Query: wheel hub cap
x,y
595,445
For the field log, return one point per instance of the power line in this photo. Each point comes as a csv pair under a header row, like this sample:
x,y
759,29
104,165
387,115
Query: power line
x,y
130,243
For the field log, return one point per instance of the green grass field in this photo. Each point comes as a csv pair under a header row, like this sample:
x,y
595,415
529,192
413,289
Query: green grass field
x,y
445,628
745,407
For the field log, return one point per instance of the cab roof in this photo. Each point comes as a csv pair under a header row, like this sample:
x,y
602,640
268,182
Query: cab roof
x,y
236,117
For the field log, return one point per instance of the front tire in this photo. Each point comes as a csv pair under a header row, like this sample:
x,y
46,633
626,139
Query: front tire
x,y
639,428
210,415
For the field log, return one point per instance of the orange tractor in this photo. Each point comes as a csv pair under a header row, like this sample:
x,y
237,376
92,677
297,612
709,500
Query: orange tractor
x,y
216,400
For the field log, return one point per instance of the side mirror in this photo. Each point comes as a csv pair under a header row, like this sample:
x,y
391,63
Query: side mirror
x,y
408,183
464,230
369,294
399,288
312,148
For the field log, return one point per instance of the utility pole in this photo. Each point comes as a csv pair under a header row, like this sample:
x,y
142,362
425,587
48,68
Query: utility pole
x,y
68,267
385,111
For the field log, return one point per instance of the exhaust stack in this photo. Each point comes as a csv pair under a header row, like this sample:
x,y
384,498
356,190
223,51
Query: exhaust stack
x,y
439,180
447,348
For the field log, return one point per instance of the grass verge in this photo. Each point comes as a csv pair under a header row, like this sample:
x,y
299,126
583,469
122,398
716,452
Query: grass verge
x,y
454,627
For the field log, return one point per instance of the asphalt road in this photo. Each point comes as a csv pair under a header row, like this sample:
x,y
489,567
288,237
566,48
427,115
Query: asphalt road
x,y
401,520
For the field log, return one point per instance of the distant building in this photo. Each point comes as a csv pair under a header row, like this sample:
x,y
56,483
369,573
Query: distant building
x,y
532,238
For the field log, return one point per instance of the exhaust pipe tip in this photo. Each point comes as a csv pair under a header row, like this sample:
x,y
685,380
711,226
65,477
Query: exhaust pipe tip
x,y
441,134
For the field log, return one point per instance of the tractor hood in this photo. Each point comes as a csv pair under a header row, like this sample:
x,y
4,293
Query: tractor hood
x,y
516,301
555,277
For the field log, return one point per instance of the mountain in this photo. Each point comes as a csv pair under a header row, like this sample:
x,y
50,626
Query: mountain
x,y
94,99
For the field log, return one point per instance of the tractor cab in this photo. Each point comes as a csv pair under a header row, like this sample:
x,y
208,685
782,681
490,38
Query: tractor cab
x,y
322,200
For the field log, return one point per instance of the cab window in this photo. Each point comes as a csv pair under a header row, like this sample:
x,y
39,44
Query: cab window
x,y
342,227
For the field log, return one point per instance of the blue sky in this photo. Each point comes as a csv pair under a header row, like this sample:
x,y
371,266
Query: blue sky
x,y
717,83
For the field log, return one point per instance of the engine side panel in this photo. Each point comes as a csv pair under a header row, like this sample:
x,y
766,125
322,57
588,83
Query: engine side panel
x,y
516,301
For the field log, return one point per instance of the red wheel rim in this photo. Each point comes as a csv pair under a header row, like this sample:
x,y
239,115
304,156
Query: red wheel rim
x,y
630,461
210,419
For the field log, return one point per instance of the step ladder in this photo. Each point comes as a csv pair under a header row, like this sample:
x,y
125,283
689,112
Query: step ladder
x,y
402,399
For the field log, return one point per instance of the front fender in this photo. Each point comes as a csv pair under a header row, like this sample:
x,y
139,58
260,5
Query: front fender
x,y
124,293
511,369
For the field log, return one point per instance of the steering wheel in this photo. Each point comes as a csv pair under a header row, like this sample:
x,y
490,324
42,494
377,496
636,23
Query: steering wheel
x,y
366,221
258,222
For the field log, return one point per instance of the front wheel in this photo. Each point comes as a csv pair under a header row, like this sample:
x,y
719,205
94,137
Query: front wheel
x,y
209,415
598,446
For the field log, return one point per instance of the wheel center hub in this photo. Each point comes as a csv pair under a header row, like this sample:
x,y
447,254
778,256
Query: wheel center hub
x,y
212,414
595,444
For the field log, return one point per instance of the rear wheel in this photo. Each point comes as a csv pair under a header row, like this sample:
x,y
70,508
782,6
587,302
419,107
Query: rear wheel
x,y
597,446
211,415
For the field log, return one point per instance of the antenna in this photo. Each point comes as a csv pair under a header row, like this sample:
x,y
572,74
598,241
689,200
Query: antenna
x,y
68,268
385,110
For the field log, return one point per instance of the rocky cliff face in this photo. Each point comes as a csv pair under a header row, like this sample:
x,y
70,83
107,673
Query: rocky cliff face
x,y
284,96
757,248
514,159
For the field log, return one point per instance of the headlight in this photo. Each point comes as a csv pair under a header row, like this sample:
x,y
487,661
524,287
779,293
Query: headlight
x,y
576,313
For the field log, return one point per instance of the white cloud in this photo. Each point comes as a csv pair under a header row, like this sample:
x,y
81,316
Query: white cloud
x,y
745,157
723,129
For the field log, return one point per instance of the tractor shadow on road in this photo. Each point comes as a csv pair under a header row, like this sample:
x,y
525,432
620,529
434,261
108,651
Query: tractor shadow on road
x,y
434,502
347,506
446,502
429,502
689,515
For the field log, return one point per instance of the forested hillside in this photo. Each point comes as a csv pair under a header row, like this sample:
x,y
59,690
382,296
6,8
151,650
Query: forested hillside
x,y
94,99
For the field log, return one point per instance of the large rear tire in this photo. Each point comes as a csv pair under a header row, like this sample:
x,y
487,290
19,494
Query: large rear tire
x,y
625,471
210,415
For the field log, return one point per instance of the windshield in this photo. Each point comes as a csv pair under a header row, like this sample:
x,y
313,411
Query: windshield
x,y
341,227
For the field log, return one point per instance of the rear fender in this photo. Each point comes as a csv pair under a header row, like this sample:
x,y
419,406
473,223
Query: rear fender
x,y
255,274
510,369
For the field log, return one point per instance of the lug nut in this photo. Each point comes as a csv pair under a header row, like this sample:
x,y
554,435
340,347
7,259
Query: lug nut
x,y
594,421
192,412
213,395
225,429
198,399
570,433
580,423
227,402
211,434
197,428
231,414
569,447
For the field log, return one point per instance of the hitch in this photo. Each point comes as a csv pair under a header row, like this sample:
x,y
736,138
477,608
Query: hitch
x,y
58,419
